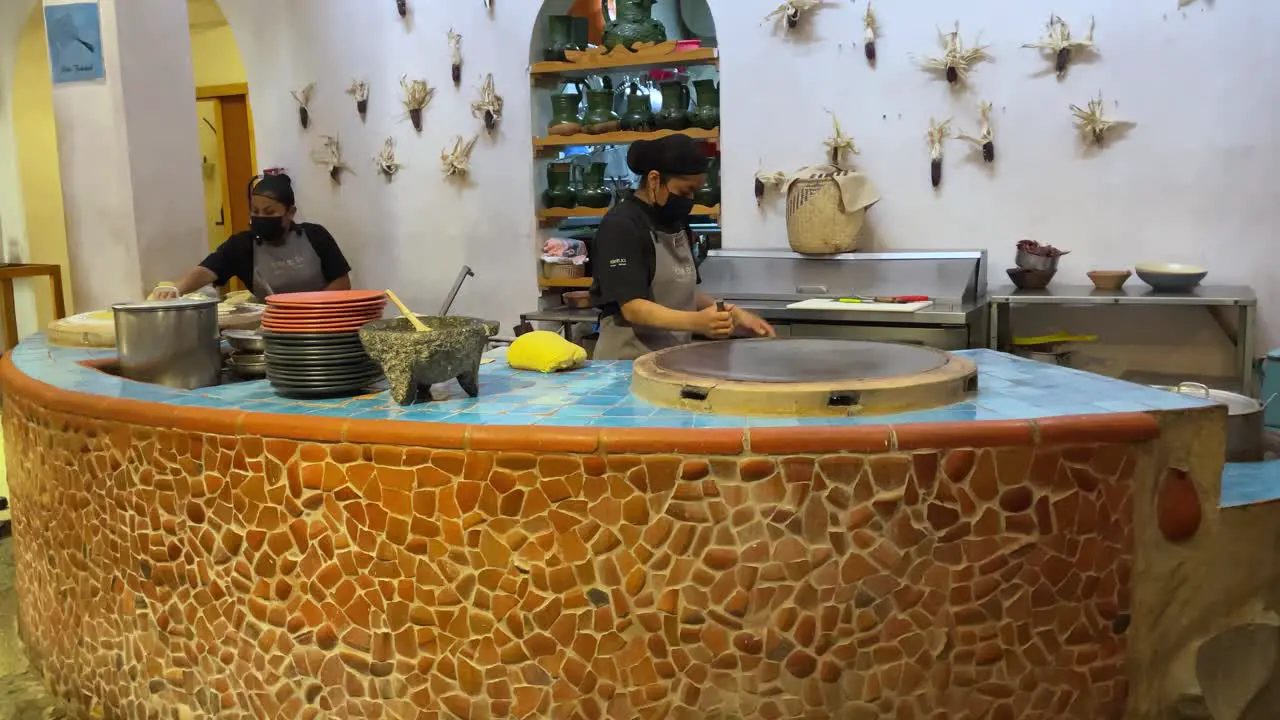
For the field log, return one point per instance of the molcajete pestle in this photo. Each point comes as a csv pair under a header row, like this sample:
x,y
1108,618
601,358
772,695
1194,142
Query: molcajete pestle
x,y
414,361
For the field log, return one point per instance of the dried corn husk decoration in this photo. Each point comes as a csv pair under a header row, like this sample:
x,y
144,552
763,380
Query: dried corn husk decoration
x,y
303,98
386,160
402,7
360,91
985,140
839,144
765,180
457,162
1057,41
489,106
939,133
417,95
870,28
488,4
1092,124
329,155
790,12
455,56
956,60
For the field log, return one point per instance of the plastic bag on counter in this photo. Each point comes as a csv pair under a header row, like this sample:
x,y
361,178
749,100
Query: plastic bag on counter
x,y
558,260
564,248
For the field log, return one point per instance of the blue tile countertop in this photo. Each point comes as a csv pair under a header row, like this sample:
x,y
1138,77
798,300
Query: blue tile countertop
x,y
598,395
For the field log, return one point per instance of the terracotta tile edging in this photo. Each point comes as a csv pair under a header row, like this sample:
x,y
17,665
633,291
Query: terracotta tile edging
x,y
1113,428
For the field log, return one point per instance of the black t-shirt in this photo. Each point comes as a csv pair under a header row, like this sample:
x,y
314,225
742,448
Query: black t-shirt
x,y
234,258
623,259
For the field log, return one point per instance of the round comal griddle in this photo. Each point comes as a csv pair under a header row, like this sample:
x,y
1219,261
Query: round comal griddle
x,y
802,376
799,360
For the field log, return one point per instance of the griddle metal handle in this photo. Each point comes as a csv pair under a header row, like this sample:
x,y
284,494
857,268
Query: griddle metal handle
x,y
691,392
843,399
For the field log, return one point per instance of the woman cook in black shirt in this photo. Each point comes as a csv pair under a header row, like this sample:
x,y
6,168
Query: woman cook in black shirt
x,y
645,276
276,255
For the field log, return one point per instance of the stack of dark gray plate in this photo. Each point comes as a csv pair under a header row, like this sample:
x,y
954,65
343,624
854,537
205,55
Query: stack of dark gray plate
x,y
318,364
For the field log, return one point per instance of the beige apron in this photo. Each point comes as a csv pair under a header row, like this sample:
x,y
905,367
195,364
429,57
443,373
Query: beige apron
x,y
675,286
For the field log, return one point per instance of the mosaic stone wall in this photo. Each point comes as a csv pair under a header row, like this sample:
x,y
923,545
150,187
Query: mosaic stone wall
x,y
172,574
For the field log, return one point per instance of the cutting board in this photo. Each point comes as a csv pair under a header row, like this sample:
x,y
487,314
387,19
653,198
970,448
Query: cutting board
x,y
824,304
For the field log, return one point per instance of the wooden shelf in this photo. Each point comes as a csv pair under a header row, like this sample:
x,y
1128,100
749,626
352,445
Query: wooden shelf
x,y
620,58
620,138
585,212
563,283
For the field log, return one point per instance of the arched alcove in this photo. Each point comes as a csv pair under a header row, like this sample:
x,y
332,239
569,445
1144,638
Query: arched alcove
x,y
566,58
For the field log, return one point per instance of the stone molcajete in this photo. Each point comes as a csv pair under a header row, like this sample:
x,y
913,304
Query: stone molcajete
x,y
414,361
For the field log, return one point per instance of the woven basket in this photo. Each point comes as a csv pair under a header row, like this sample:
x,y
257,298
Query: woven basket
x,y
816,221
563,271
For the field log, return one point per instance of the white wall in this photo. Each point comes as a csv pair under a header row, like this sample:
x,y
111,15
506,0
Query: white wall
x,y
1190,183
128,153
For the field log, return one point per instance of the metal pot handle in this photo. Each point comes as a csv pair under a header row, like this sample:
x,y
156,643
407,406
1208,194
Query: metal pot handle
x,y
1195,386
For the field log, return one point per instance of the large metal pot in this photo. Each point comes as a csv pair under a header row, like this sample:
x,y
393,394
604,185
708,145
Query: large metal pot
x,y
169,342
1244,420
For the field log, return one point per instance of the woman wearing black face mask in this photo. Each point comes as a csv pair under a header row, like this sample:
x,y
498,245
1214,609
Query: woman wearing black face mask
x,y
276,255
645,277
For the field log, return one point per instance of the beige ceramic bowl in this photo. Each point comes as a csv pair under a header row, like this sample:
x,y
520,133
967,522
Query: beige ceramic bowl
x,y
1109,279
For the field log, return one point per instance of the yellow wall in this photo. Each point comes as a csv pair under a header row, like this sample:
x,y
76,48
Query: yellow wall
x,y
215,60
38,161
215,57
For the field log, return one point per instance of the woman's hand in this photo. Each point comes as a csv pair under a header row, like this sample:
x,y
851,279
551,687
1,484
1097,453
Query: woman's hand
x,y
752,323
712,323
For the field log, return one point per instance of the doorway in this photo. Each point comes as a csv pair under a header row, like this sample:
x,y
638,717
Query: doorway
x,y
227,158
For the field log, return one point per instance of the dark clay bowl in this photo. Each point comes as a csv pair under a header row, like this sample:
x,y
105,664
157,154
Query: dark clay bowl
x,y
1030,279
414,361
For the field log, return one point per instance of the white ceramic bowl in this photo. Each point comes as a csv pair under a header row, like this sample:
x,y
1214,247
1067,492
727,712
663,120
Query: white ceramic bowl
x,y
1170,277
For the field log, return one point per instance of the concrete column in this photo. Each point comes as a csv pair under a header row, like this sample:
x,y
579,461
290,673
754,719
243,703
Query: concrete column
x,y
129,155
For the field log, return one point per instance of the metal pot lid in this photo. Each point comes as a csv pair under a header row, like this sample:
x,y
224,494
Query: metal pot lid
x,y
178,304
1236,403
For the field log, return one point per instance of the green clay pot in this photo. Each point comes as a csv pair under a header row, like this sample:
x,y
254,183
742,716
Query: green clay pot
x,y
600,117
706,112
559,192
594,192
635,23
674,114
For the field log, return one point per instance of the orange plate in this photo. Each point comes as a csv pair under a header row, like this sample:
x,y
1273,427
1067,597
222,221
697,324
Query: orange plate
x,y
325,315
317,327
329,308
326,297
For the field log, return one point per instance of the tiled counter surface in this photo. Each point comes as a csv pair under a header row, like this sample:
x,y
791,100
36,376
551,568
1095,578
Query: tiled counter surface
x,y
1010,388
598,395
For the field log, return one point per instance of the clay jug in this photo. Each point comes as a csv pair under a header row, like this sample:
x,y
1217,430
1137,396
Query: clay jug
x,y
594,193
706,113
639,114
675,106
635,23
559,37
565,119
559,192
600,117
709,194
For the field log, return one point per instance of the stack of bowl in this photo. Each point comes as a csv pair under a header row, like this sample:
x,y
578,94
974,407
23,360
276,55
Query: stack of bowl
x,y
1033,272
312,343
248,358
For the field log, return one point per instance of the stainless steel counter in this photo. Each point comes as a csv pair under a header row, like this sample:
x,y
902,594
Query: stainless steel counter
x,y
1220,301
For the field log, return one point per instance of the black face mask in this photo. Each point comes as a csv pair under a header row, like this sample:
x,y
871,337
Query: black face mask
x,y
675,211
267,229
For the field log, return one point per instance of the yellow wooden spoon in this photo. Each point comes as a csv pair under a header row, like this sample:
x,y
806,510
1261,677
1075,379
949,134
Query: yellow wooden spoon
x,y
417,324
